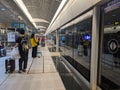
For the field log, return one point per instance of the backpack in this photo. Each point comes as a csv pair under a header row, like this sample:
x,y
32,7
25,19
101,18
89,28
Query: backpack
x,y
24,45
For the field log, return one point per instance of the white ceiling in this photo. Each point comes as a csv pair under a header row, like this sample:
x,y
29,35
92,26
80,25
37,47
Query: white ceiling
x,y
6,16
42,11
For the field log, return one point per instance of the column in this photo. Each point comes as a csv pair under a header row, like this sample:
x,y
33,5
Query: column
x,y
57,41
95,41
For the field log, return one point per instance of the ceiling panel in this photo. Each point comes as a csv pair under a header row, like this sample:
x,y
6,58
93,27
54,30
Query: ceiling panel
x,y
40,9
13,8
44,9
42,24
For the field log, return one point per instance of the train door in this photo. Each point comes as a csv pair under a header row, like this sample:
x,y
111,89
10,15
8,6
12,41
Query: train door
x,y
110,46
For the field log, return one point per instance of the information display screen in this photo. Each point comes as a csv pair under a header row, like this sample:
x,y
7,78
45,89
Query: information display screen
x,y
87,37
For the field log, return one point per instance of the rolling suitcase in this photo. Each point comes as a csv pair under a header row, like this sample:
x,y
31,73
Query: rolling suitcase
x,y
43,44
9,65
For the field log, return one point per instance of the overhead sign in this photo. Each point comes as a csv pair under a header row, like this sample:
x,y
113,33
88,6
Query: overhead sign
x,y
18,25
113,46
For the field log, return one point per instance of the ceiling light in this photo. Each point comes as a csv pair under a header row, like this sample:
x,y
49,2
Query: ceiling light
x,y
20,18
57,13
24,9
3,9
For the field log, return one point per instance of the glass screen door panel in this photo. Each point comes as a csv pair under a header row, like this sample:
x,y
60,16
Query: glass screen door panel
x,y
110,54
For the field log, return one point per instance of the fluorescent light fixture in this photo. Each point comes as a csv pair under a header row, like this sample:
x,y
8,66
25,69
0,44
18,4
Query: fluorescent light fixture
x,y
34,24
24,9
57,13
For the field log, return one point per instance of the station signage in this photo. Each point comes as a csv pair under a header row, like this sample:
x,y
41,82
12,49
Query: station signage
x,y
113,46
18,25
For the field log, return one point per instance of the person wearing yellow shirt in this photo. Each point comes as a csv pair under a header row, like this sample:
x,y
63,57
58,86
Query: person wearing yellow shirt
x,y
34,43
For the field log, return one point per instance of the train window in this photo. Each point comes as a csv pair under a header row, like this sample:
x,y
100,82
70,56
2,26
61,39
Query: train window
x,y
110,43
82,47
75,46
62,41
69,42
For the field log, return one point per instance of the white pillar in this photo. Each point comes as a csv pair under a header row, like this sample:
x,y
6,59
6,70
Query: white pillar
x,y
94,53
57,41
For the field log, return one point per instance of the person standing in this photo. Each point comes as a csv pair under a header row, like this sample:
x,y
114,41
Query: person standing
x,y
0,44
0,48
43,41
34,43
22,45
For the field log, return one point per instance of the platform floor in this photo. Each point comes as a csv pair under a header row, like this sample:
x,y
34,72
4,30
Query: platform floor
x,y
41,74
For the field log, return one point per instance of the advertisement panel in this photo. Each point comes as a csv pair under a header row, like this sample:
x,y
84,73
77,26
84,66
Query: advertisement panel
x,y
11,37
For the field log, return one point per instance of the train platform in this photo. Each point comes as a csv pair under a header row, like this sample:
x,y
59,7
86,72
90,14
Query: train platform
x,y
46,72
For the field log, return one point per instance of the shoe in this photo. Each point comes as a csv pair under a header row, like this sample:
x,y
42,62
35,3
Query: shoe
x,y
24,70
20,71
38,56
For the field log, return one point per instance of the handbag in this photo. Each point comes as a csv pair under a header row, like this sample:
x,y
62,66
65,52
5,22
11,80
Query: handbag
x,y
15,53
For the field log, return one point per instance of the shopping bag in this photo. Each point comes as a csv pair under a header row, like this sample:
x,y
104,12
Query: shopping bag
x,y
15,53
39,54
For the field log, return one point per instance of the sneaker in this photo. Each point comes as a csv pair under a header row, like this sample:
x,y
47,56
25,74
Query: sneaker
x,y
24,70
20,71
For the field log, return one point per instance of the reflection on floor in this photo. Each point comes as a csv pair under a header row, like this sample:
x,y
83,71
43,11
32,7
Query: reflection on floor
x,y
53,49
67,77
80,68
106,82
110,70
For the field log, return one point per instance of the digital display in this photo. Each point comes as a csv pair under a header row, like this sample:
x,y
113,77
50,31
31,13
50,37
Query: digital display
x,y
87,37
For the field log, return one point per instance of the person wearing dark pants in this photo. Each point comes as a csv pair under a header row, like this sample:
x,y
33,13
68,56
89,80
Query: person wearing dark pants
x,y
23,62
34,43
34,51
22,44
